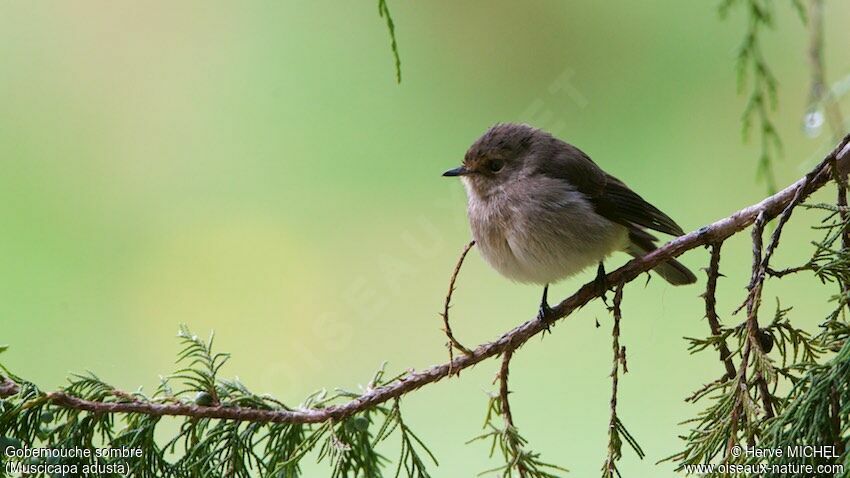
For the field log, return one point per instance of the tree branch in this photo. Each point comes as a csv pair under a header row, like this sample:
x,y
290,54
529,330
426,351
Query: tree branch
x,y
504,371
753,330
713,233
507,415
710,297
609,467
8,387
447,328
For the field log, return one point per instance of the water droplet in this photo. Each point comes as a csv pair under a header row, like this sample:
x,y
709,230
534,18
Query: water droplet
x,y
813,123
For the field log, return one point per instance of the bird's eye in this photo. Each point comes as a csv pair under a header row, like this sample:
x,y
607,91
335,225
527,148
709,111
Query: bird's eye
x,y
495,165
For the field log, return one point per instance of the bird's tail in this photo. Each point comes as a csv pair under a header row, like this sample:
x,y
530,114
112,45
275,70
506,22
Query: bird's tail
x,y
673,271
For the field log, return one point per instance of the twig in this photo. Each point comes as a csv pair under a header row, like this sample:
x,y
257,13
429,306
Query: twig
x,y
762,97
8,387
614,452
799,195
515,338
790,270
801,190
841,203
752,329
757,279
505,403
741,390
761,263
840,179
741,394
705,389
710,297
384,12
756,285
504,371
447,328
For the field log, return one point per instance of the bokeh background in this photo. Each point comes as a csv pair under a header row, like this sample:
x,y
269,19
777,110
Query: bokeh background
x,y
254,169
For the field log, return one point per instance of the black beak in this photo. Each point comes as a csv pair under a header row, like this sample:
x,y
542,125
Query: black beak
x,y
459,171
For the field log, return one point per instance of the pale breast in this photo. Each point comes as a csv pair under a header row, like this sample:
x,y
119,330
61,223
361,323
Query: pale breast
x,y
542,234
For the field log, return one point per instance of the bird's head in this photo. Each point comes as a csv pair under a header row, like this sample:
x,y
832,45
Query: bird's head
x,y
496,158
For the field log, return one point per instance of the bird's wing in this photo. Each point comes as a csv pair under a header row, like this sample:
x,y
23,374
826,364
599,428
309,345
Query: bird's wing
x,y
569,163
610,197
622,205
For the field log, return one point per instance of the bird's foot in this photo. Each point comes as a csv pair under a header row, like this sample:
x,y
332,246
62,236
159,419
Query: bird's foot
x,y
544,314
601,283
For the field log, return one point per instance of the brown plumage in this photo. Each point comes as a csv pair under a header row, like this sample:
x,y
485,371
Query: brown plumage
x,y
541,210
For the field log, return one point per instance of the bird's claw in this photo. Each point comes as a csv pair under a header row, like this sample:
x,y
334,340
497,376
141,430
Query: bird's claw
x,y
601,283
544,314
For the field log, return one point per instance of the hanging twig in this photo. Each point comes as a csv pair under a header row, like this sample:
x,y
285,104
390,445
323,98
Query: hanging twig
x,y
384,12
756,285
710,297
505,404
614,443
617,432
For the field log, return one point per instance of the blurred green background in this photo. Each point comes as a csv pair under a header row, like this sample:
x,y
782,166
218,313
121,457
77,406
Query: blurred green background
x,y
254,169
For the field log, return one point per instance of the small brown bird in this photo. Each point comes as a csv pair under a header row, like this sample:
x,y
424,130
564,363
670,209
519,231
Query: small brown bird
x,y
541,210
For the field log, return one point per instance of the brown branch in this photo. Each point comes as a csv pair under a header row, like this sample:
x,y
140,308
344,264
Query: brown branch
x,y
799,195
790,270
710,297
757,279
708,387
761,259
741,390
504,371
801,189
841,202
453,342
610,465
713,233
761,264
8,387
840,180
741,394
756,285
505,405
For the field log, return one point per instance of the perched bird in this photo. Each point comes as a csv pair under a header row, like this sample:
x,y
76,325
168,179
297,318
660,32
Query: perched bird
x,y
541,210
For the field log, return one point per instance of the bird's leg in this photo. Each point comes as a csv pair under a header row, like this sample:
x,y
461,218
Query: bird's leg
x,y
601,283
545,311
